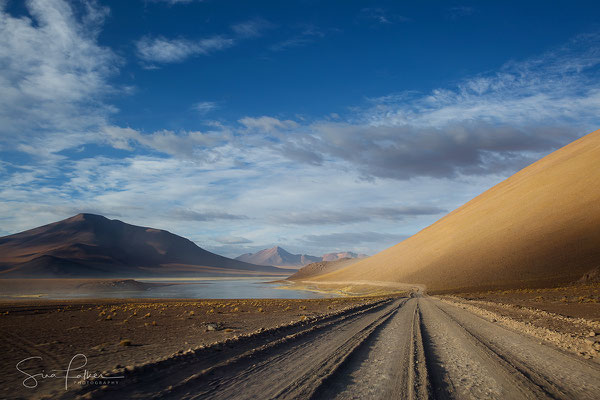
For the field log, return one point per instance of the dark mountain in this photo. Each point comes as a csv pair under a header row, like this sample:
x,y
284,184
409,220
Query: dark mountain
x,y
89,245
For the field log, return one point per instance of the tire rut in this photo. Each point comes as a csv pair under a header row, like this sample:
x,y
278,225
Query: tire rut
x,y
168,377
389,364
248,378
557,374
519,370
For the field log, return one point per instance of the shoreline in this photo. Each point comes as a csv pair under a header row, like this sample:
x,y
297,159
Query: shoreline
x,y
96,288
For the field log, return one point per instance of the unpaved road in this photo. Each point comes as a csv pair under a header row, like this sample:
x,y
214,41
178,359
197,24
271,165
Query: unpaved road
x,y
397,349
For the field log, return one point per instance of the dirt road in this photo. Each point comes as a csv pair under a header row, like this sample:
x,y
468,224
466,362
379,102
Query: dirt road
x,y
403,348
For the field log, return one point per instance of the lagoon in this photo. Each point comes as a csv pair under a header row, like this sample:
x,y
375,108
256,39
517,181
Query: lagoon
x,y
200,288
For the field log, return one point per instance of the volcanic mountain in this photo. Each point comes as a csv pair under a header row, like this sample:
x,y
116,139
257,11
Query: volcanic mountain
x,y
278,256
89,245
539,227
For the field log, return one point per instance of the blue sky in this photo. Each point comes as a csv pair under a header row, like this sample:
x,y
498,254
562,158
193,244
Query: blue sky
x,y
317,126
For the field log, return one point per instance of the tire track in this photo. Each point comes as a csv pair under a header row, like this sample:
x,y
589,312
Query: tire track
x,y
523,374
463,367
390,364
419,386
417,348
555,373
295,371
175,375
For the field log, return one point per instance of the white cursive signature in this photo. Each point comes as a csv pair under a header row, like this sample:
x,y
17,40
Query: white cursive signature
x,y
31,381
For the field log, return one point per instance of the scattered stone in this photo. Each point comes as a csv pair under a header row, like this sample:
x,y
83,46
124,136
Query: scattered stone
x,y
211,327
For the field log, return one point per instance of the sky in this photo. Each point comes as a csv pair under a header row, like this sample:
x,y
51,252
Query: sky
x,y
318,126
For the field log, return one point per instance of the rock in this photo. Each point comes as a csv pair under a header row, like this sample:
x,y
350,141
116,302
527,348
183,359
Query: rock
x,y
211,327
592,334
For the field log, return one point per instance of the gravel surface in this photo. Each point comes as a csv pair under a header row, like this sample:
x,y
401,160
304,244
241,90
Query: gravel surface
x,y
405,348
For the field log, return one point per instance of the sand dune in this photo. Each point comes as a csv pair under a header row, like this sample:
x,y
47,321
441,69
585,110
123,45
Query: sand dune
x,y
539,227
89,245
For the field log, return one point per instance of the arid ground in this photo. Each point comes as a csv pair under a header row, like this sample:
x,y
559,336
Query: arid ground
x,y
116,334
499,344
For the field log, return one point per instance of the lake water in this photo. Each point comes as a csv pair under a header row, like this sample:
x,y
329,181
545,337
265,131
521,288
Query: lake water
x,y
200,289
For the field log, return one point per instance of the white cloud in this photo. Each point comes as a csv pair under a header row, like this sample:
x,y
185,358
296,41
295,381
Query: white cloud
x,y
460,11
353,238
267,124
204,107
184,144
558,86
381,16
163,50
233,240
490,124
251,28
307,36
54,75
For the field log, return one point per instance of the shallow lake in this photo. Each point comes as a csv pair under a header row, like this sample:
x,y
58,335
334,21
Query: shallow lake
x,y
253,288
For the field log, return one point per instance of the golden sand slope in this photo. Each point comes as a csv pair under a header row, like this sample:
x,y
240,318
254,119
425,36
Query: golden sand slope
x,y
540,226
321,267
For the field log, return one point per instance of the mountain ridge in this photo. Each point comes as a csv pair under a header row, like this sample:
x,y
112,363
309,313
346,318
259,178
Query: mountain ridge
x,y
90,245
278,256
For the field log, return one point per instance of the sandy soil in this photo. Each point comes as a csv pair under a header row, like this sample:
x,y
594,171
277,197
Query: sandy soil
x,y
352,288
577,301
124,333
567,317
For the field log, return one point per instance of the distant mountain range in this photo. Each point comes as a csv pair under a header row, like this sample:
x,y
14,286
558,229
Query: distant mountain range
x,y
89,245
280,257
